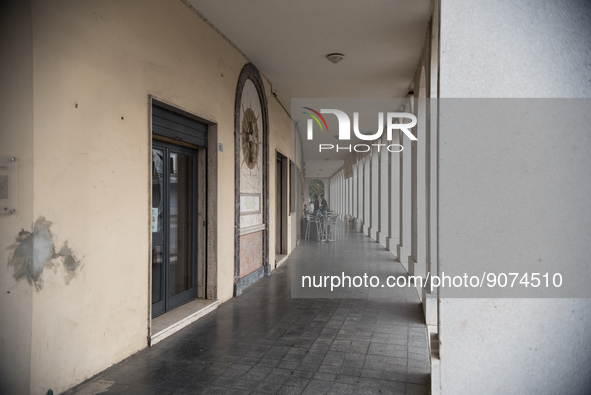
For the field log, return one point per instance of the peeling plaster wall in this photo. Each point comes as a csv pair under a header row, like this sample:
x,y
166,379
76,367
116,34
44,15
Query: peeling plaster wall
x,y
527,49
16,139
94,65
35,251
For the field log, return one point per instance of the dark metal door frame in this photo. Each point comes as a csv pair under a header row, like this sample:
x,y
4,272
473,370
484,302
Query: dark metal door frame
x,y
162,238
279,247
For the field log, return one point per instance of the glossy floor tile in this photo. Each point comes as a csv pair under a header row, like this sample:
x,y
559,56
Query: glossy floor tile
x,y
371,341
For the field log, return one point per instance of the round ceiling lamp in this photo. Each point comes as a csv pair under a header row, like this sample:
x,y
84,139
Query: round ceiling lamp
x,y
335,57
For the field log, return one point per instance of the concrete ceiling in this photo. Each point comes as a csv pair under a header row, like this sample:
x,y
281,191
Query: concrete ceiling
x,y
288,41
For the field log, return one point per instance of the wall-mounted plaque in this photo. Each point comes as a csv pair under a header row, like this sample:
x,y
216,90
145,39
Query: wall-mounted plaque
x,y
250,203
8,188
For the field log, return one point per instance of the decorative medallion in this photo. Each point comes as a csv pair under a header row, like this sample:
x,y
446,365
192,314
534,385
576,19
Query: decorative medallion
x,y
250,138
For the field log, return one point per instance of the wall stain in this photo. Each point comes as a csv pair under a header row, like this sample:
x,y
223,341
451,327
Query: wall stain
x,y
34,251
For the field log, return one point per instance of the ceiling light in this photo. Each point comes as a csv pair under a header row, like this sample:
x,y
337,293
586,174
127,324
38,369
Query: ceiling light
x,y
335,57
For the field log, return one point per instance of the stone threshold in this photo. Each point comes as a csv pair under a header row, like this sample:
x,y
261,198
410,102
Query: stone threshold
x,y
175,320
279,259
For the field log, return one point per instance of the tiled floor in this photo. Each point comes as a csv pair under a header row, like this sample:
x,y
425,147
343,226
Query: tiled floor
x,y
265,341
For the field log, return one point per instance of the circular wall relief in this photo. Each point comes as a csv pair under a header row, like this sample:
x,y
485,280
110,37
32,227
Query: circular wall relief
x,y
250,139
250,126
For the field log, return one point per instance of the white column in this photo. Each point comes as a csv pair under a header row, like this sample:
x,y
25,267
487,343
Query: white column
x,y
354,191
343,194
534,191
403,248
359,190
394,160
430,298
384,184
417,260
333,193
339,193
344,209
375,195
352,195
353,201
366,194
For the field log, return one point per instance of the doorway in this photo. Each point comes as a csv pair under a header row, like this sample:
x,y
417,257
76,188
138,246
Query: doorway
x,y
281,206
174,226
179,214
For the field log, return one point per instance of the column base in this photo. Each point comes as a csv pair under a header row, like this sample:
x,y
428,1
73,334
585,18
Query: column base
x,y
402,254
365,229
417,269
430,308
381,238
435,361
372,233
412,269
391,245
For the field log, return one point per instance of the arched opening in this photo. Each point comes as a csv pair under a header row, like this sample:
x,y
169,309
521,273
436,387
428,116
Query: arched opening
x,y
316,190
316,187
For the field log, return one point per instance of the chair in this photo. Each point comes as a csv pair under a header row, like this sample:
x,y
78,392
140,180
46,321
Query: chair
x,y
308,221
321,228
332,227
341,224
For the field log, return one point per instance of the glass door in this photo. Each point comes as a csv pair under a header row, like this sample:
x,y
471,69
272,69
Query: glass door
x,y
174,230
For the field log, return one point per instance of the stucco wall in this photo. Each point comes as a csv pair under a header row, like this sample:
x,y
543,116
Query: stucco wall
x,y
84,117
525,48
279,140
16,139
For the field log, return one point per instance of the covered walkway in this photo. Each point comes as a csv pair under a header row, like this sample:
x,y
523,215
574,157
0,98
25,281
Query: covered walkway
x,y
265,341
157,151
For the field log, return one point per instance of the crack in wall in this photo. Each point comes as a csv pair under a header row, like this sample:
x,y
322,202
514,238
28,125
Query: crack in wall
x,y
34,251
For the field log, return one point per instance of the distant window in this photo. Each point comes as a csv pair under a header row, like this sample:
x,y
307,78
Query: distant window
x,y
316,188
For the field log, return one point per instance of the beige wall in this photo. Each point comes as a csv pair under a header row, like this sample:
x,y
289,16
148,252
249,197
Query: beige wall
x,y
279,140
85,113
16,139
297,157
